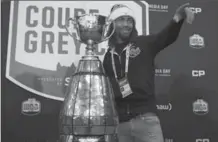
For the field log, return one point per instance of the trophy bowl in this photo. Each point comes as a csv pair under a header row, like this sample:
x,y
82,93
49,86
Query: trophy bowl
x,y
90,27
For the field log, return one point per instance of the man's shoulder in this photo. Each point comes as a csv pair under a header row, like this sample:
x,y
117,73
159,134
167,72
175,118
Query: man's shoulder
x,y
144,38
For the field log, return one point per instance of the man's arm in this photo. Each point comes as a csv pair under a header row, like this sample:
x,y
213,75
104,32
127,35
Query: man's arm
x,y
167,36
171,32
106,63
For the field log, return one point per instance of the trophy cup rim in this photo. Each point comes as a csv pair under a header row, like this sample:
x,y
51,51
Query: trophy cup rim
x,y
91,14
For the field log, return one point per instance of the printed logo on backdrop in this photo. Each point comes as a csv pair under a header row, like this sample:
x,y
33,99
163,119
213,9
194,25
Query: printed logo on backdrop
x,y
203,140
196,10
168,140
41,55
200,107
158,7
164,107
198,73
31,107
163,72
196,41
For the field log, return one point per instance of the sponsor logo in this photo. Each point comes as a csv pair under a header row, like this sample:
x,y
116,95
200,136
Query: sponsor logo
x,y
202,140
200,107
168,140
41,55
167,107
158,7
31,107
162,72
198,73
196,10
196,41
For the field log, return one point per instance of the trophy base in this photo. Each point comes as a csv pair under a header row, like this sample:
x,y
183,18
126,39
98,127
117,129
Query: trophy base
x,y
81,138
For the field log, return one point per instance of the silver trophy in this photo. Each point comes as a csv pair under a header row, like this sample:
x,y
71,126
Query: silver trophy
x,y
88,113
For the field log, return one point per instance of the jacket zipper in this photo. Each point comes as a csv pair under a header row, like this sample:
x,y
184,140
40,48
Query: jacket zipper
x,y
128,111
120,60
121,74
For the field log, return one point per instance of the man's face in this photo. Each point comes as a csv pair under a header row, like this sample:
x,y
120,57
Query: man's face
x,y
124,27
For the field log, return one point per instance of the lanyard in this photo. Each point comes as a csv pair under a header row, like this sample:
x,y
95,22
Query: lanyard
x,y
127,61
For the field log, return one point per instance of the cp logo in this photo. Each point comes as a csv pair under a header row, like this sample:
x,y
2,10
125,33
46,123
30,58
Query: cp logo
x,y
202,140
198,73
196,10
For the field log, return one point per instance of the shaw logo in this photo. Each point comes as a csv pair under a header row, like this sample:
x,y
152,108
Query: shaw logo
x,y
198,73
200,107
41,55
167,107
31,107
196,41
168,140
196,10
202,140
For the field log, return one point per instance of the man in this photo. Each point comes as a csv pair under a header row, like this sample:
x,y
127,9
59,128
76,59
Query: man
x,y
129,64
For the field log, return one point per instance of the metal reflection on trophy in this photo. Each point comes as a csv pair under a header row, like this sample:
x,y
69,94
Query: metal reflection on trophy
x,y
88,111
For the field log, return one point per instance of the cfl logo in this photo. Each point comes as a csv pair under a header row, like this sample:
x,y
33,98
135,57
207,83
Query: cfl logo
x,y
195,10
198,73
202,140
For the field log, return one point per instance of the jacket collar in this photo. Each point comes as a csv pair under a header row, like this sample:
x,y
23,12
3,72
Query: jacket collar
x,y
112,51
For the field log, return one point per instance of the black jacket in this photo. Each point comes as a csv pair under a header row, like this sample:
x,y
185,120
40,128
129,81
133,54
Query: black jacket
x,y
141,71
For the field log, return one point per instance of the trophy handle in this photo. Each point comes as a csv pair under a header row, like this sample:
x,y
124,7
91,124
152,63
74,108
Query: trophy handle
x,y
107,27
75,27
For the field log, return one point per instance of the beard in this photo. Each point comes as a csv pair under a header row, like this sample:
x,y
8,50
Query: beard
x,y
125,34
